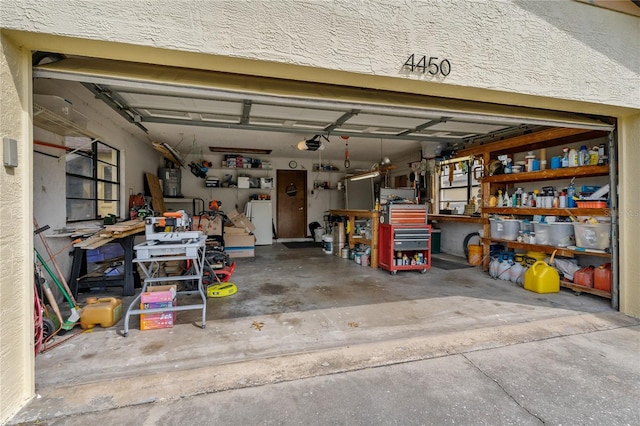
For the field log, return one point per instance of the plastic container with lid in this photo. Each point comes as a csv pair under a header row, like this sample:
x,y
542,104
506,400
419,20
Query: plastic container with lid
x,y
543,233
592,236
561,234
506,229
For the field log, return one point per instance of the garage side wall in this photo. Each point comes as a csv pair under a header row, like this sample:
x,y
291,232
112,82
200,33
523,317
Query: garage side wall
x,y
628,160
16,251
570,51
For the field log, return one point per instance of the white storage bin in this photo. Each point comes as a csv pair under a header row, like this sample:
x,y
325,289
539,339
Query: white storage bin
x,y
506,229
543,233
561,234
593,236
243,182
496,231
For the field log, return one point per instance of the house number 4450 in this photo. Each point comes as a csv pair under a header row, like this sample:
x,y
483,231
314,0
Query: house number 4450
x,y
432,65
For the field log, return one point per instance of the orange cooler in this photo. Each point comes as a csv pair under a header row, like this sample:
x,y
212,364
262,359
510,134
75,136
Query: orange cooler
x,y
104,312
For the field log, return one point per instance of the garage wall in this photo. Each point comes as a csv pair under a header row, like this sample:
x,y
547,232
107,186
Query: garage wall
x,y
16,251
513,46
49,175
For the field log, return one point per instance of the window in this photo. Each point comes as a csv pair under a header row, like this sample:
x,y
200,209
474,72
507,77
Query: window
x,y
93,182
457,186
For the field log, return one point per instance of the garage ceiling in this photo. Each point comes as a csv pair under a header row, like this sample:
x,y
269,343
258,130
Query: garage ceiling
x,y
222,110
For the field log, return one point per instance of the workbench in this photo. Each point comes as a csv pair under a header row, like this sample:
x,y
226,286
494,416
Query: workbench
x,y
352,239
124,234
150,254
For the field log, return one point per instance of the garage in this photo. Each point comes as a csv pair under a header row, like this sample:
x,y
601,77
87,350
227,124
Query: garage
x,y
207,114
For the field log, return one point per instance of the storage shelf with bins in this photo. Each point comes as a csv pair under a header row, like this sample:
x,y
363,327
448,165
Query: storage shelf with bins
x,y
529,142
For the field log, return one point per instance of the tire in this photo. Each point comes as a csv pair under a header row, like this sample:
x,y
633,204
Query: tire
x,y
48,328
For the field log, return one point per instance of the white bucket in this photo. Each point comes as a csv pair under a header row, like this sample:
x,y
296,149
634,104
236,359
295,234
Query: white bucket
x,y
327,244
345,253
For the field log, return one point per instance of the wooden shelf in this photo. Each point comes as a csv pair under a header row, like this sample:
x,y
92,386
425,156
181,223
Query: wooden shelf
x,y
549,174
560,251
546,212
582,289
457,218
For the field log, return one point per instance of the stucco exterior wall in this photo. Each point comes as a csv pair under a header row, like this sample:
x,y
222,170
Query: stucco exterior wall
x,y
16,251
513,46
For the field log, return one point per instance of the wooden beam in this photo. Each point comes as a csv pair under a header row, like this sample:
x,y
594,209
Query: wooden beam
x,y
519,143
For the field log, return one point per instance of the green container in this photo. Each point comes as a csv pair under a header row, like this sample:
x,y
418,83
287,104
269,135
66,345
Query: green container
x,y
435,241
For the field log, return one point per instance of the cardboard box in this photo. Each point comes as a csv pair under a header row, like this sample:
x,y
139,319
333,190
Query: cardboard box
x,y
239,245
232,230
207,225
241,221
159,293
157,321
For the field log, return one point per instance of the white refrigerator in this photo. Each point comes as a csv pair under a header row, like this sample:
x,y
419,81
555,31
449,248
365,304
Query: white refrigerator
x,y
260,213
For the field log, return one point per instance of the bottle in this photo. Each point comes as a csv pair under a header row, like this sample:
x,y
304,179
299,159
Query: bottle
x,y
565,157
506,201
529,160
583,157
571,191
563,200
573,158
593,156
377,208
500,198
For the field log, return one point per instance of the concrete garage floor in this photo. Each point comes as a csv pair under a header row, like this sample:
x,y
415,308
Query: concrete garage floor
x,y
318,316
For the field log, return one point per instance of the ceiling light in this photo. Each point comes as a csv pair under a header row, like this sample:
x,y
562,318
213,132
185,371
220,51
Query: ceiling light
x,y
240,150
313,144
368,175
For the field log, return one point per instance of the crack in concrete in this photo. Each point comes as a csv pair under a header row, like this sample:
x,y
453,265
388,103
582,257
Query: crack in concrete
x,y
487,375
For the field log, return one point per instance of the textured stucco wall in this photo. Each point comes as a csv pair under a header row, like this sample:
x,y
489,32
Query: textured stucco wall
x,y
16,247
629,158
569,51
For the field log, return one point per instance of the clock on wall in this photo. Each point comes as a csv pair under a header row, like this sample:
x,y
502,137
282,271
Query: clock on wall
x,y
293,164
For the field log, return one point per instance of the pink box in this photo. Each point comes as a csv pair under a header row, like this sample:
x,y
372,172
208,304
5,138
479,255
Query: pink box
x,y
160,293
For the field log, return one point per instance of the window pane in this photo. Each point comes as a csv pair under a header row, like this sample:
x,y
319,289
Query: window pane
x,y
80,209
79,164
80,188
105,208
108,191
107,172
107,154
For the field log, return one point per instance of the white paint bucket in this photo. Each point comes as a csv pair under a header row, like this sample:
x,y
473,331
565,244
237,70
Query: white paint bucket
x,y
327,244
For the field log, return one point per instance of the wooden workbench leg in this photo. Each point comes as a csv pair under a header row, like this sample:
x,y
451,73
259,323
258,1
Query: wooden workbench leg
x,y
128,281
375,222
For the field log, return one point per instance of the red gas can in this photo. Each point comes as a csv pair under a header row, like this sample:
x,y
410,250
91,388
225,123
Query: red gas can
x,y
602,277
584,277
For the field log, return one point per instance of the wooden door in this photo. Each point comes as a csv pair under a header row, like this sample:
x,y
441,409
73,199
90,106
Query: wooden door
x,y
291,206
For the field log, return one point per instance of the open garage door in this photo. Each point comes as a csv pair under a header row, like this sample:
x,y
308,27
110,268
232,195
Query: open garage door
x,y
152,97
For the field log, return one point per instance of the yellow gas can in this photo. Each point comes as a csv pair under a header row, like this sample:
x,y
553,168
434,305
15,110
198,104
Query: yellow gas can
x,y
542,278
105,312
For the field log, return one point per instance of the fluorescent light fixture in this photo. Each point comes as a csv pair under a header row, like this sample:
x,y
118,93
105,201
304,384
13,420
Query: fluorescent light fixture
x,y
368,175
313,144
240,150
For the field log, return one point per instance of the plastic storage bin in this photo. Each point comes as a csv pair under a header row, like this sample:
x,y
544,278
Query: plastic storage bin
x,y
543,233
592,236
506,229
561,234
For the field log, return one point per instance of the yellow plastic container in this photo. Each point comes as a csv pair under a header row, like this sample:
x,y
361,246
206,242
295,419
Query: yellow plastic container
x,y
104,312
475,254
542,278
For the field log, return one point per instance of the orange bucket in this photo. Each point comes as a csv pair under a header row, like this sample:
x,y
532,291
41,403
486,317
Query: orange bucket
x,y
475,254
